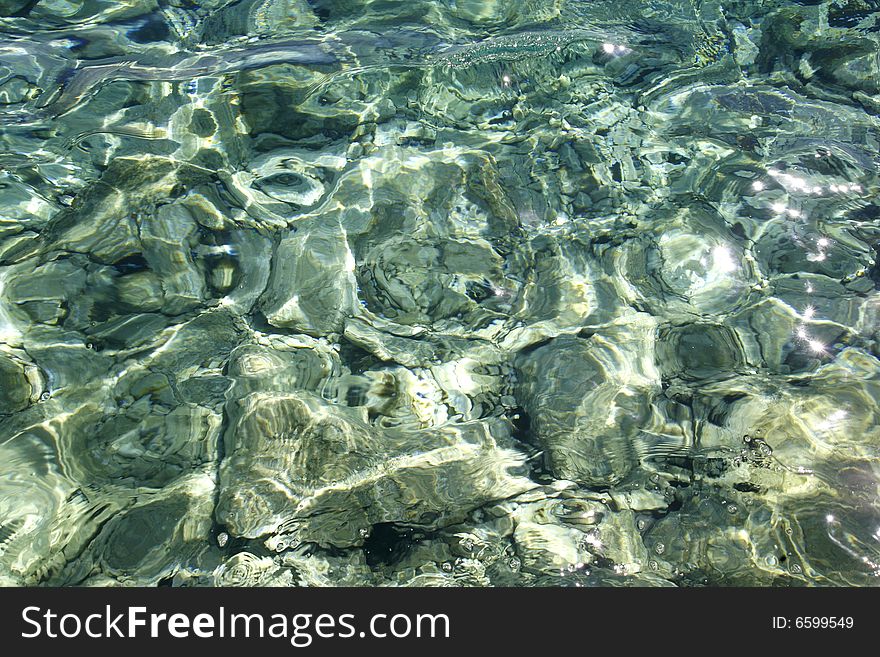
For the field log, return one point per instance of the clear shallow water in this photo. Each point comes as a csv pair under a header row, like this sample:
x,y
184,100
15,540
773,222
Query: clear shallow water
x,y
439,293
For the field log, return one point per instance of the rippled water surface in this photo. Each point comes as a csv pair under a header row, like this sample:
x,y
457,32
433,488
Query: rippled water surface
x,y
439,292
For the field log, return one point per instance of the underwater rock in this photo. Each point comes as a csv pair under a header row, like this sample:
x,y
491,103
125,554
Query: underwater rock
x,y
256,17
807,424
134,544
688,271
420,283
312,288
36,522
548,548
398,397
166,241
562,294
115,206
15,389
204,341
283,363
44,293
840,258
543,543
587,398
245,569
698,352
142,445
320,470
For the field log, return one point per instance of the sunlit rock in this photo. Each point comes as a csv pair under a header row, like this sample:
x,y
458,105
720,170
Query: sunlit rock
x,y
328,475
312,288
15,389
587,398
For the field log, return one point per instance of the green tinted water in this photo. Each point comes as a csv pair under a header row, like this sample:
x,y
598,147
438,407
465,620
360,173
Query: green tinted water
x,y
339,292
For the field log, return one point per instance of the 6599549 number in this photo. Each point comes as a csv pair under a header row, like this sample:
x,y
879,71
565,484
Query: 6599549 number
x,y
813,622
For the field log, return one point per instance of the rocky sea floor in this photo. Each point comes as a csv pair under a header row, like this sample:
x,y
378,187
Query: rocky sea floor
x,y
439,293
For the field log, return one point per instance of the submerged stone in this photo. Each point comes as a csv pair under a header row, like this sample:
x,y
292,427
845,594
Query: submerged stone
x,y
329,476
587,399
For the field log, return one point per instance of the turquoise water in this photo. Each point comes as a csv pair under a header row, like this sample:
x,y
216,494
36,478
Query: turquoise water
x,y
439,293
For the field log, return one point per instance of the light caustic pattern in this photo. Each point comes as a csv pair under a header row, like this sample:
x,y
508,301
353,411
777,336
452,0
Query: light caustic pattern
x,y
308,292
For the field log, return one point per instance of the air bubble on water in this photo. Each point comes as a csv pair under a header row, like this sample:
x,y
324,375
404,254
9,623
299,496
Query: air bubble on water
x,y
222,539
446,567
659,548
45,396
732,508
514,563
364,532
